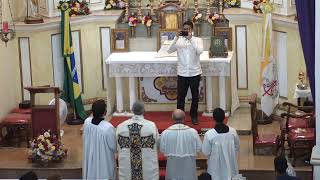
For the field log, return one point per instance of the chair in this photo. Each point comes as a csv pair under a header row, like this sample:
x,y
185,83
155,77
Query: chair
x,y
295,117
265,140
18,126
299,132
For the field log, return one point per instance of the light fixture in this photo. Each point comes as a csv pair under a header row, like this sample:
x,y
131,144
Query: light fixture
x,y
7,31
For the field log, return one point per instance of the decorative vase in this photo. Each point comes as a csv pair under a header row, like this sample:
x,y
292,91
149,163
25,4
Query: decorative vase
x,y
132,31
148,31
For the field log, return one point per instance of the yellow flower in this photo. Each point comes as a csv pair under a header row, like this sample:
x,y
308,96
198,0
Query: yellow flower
x,y
41,147
46,134
49,158
41,137
108,6
53,148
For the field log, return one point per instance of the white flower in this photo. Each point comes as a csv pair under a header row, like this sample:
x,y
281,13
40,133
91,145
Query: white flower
x,y
199,16
46,134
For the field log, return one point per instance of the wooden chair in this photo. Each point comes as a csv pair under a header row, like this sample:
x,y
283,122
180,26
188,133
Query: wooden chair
x,y
299,132
261,140
295,117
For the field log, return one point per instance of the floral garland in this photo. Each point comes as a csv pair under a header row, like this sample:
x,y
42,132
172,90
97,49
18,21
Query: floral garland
x,y
114,4
262,6
76,7
46,148
147,20
214,18
197,17
232,3
133,20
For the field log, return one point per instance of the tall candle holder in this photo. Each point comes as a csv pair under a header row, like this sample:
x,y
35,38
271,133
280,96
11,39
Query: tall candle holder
x,y
139,10
196,7
7,33
151,8
126,11
208,8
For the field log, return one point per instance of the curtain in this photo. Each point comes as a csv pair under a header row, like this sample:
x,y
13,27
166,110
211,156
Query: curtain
x,y
306,22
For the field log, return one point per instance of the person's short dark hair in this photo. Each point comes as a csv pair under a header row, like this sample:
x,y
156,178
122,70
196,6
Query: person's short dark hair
x,y
280,164
138,108
99,108
29,176
204,176
218,115
189,23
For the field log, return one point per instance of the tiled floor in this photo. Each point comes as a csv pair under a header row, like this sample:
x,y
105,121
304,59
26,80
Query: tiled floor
x,y
12,158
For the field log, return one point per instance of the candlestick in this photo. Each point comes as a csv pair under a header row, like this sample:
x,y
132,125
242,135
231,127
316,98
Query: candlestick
x,y
5,26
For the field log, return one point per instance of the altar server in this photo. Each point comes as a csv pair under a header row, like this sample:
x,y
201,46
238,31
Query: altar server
x,y
99,145
137,142
180,144
221,145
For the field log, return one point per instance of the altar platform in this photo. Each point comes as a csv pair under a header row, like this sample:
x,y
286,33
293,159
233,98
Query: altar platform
x,y
14,162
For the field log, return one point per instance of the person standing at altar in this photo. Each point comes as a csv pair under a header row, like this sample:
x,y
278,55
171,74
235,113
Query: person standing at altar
x,y
189,70
180,144
221,145
99,145
137,140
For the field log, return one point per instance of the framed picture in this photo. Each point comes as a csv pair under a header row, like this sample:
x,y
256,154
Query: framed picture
x,y
165,34
226,33
120,40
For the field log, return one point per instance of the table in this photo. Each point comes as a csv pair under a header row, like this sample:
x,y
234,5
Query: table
x,y
146,64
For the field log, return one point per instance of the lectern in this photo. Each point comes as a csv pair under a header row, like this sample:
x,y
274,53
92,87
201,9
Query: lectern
x,y
44,117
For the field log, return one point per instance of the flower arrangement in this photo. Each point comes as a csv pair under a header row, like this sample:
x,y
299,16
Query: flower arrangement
x,y
147,20
232,3
214,18
262,6
133,20
46,148
76,7
114,4
197,17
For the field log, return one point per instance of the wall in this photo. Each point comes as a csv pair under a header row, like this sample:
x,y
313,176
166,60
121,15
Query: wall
x,y
10,92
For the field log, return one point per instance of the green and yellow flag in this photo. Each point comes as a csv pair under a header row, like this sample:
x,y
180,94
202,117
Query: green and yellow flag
x,y
71,87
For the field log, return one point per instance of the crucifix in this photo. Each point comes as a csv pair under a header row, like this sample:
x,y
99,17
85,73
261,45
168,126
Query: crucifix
x,y
135,142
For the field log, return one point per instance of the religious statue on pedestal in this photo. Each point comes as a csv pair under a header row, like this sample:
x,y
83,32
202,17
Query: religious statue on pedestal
x,y
33,16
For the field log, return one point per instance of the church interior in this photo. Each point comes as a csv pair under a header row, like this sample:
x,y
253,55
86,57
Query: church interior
x,y
118,53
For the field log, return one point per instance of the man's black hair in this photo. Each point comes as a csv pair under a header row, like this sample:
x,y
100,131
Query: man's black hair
x,y
218,115
98,109
29,176
189,23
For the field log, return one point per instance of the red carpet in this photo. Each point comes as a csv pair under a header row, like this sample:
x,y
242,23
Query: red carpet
x,y
163,120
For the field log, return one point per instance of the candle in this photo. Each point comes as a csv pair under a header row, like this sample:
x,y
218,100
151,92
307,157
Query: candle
x,y
5,27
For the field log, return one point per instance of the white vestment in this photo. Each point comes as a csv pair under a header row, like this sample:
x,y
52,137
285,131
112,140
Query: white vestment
x,y
221,150
99,146
137,140
180,144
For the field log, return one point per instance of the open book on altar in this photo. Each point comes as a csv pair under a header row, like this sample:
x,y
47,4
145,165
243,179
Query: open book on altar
x,y
163,51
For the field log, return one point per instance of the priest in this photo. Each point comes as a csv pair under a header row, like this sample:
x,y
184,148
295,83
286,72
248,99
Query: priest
x,y
180,144
99,145
221,144
137,140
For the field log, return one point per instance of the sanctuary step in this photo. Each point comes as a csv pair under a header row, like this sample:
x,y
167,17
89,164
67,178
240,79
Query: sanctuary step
x,y
163,120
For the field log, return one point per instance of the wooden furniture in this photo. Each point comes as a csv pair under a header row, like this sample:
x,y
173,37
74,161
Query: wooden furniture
x,y
18,127
261,140
295,117
44,117
171,15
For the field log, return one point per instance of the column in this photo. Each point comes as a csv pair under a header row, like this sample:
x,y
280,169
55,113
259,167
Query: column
x,y
132,91
208,97
119,94
222,92
315,157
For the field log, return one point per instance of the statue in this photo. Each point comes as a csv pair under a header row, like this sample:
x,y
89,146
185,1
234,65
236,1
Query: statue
x,y
302,84
33,16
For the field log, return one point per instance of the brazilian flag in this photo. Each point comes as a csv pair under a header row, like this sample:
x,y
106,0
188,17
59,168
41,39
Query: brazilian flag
x,y
71,87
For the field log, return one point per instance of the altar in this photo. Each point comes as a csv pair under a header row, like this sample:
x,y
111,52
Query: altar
x,y
134,65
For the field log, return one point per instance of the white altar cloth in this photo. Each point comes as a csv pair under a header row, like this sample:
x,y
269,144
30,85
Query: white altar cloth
x,y
146,64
